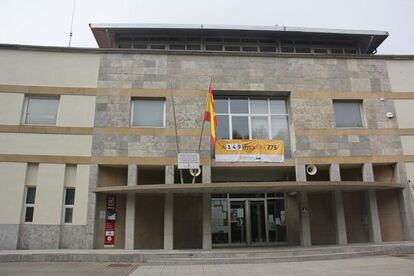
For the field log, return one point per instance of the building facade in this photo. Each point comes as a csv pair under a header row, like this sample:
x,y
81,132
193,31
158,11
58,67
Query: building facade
x,y
88,147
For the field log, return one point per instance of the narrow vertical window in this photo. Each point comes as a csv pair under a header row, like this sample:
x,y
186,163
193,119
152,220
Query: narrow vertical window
x,y
68,205
29,204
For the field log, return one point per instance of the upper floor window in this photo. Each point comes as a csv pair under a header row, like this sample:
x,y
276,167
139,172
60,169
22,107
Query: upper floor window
x,y
29,204
68,206
41,110
252,118
148,112
348,113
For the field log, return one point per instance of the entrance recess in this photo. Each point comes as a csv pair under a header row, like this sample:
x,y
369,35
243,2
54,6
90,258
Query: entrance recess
x,y
248,219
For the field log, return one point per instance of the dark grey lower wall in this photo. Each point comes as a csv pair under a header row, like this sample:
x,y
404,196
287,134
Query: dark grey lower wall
x,y
74,237
35,236
8,236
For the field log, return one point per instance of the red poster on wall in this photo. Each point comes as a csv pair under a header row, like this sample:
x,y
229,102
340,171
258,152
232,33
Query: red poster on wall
x,y
109,233
110,221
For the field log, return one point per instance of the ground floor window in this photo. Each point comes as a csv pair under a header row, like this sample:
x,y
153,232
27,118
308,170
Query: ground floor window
x,y
248,219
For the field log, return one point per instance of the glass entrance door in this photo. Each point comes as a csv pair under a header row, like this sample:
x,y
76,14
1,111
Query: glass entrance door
x,y
248,219
238,222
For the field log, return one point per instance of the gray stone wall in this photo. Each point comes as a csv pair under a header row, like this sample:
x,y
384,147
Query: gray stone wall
x,y
243,74
8,236
39,236
73,237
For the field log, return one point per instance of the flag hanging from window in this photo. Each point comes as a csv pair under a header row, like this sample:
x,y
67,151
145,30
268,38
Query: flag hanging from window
x,y
210,114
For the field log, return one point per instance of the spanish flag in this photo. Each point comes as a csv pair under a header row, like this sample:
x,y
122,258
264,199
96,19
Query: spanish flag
x,y
210,114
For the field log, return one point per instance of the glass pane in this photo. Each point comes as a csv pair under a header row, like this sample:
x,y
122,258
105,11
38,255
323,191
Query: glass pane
x,y
240,128
348,114
29,214
260,129
68,215
219,221
278,107
70,197
238,221
31,195
42,111
239,106
247,195
221,105
276,220
149,113
223,127
257,221
280,131
258,107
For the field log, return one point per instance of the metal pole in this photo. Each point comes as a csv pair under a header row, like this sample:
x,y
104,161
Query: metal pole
x,y
202,125
71,22
176,131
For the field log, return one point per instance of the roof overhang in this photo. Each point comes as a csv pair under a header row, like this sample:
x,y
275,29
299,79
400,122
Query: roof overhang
x,y
246,187
105,32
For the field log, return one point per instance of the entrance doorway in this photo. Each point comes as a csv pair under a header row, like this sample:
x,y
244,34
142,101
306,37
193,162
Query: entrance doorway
x,y
248,219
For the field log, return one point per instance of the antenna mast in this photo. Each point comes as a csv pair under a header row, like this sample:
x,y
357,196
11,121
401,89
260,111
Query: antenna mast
x,y
71,22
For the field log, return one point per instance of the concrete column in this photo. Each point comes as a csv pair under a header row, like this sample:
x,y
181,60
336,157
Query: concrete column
x,y
169,210
375,227
334,173
406,202
305,231
338,206
206,178
90,227
130,208
367,172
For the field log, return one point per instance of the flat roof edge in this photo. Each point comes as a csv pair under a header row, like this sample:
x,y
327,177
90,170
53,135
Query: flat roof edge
x,y
275,28
23,47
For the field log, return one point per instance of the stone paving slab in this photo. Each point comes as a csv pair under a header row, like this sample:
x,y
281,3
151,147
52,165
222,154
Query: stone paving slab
x,y
379,266
65,269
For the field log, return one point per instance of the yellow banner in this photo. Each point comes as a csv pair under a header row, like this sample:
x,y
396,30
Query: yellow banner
x,y
249,151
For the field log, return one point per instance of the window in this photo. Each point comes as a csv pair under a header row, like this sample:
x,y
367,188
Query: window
x,y
348,113
253,118
68,205
41,110
29,204
148,112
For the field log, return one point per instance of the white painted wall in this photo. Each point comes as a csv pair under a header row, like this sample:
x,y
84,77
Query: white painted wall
x,y
45,144
12,180
49,194
11,107
400,73
76,111
21,67
81,195
407,143
410,171
405,113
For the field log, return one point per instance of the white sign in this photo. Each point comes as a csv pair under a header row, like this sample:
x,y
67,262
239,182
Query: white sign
x,y
188,160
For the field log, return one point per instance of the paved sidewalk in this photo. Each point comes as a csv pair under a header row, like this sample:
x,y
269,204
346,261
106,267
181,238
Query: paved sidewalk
x,y
65,269
378,266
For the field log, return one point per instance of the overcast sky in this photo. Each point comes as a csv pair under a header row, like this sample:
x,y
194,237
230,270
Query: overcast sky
x,y
47,22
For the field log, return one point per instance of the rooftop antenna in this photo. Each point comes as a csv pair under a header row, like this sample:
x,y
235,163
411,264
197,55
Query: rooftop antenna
x,y
71,22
